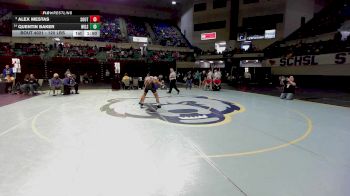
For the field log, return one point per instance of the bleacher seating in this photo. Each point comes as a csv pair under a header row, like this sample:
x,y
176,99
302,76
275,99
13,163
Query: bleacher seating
x,y
136,28
168,35
110,29
6,49
326,21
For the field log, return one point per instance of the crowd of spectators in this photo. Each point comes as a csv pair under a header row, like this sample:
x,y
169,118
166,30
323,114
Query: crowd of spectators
x,y
68,50
5,26
28,49
6,49
22,49
315,48
168,35
118,53
326,21
110,29
136,28
5,22
229,51
151,55
86,51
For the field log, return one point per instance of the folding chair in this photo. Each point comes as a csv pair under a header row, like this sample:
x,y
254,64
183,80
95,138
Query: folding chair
x,y
135,83
40,82
50,89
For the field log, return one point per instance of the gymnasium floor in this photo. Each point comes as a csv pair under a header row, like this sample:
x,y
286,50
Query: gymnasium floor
x,y
200,143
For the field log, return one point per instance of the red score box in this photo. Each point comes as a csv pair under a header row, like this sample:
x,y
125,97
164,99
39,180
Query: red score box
x,y
94,19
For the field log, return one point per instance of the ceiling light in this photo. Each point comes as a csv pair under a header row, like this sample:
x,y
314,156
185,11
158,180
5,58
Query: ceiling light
x,y
173,2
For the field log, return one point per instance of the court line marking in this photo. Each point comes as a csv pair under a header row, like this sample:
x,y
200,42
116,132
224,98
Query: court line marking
x,y
34,128
212,164
273,148
15,126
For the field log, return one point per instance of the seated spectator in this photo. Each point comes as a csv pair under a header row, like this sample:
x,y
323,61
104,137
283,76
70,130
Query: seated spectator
x,y
25,84
33,84
288,89
69,82
217,80
56,83
85,78
126,80
8,75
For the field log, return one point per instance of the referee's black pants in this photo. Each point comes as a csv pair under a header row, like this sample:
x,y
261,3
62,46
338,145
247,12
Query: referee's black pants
x,y
173,85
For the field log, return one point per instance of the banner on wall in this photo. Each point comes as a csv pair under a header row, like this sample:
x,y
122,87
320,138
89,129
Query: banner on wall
x,y
117,67
322,59
16,63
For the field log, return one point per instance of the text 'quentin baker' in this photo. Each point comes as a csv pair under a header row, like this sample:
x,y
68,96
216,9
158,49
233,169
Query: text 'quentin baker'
x,y
36,26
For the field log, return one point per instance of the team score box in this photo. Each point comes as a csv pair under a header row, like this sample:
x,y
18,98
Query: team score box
x,y
92,33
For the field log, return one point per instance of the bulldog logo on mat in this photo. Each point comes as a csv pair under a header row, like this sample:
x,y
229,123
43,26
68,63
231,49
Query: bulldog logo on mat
x,y
179,110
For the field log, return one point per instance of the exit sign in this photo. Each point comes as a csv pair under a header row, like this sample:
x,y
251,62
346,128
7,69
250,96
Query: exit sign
x,y
208,36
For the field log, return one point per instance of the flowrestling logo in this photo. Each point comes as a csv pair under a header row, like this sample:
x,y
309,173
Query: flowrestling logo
x,y
178,110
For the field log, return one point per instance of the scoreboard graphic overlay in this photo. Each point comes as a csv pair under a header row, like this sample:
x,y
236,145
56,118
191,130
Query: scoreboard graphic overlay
x,y
69,23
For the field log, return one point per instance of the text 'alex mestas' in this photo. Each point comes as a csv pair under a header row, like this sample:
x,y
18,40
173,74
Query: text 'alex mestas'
x,y
34,19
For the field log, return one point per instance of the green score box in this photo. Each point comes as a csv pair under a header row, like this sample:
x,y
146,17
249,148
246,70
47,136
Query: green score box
x,y
95,26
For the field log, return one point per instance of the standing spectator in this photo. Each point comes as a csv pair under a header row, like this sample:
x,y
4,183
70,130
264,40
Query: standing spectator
x,y
209,80
197,78
189,80
217,75
217,80
172,78
67,72
56,83
107,74
288,89
74,83
247,77
203,77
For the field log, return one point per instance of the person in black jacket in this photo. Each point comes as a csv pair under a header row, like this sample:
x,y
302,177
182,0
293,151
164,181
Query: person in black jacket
x,y
33,84
288,89
25,84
